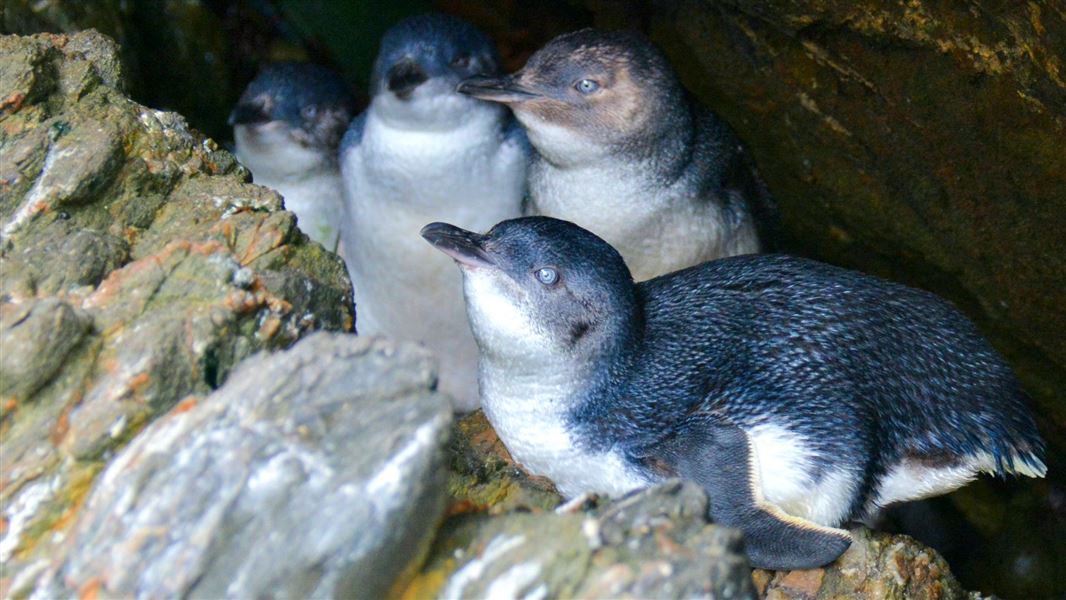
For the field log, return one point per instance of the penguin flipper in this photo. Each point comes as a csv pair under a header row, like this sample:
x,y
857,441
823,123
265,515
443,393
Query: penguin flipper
x,y
721,458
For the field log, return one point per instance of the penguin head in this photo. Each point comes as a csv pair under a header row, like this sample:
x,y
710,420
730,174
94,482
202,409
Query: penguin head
x,y
538,287
588,94
419,64
291,117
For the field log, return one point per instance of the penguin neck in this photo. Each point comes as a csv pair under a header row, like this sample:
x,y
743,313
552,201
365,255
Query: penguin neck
x,y
664,145
659,148
469,120
556,386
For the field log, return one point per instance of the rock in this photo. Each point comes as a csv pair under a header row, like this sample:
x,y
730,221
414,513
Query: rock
x,y
654,544
37,336
138,268
314,472
484,478
173,53
877,565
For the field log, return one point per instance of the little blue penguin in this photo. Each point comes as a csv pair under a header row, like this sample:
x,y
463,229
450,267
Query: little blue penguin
x,y
798,394
624,151
287,126
423,152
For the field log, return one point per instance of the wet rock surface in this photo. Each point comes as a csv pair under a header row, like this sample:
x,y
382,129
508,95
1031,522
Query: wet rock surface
x,y
138,268
314,472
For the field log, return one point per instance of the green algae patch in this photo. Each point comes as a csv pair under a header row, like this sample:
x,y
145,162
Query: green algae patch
x,y
484,477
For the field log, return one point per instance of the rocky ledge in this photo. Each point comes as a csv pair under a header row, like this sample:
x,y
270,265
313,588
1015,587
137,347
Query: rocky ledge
x,y
138,268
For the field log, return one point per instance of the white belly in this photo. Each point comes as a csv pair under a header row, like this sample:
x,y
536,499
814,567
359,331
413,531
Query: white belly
x,y
403,287
527,413
787,478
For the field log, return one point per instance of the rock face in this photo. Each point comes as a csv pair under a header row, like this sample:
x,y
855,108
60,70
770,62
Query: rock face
x,y
315,472
876,566
655,544
175,51
138,268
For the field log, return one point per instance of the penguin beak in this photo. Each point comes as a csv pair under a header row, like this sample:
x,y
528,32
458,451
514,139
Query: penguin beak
x,y
248,114
504,89
466,247
403,77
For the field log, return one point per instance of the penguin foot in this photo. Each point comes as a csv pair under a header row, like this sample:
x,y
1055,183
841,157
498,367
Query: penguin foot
x,y
721,458
778,541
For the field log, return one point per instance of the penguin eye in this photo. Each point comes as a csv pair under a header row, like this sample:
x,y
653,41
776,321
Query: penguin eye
x,y
461,62
309,112
586,86
546,275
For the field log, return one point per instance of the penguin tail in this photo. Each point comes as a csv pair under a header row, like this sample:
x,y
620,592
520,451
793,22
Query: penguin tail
x,y
1027,463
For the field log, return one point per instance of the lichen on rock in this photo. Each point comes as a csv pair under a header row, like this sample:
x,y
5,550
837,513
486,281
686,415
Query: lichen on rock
x,y
138,266
325,479
654,544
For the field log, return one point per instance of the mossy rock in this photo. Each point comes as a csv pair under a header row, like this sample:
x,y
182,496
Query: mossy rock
x,y
139,267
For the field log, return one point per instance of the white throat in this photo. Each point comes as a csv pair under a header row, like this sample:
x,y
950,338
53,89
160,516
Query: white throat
x,y
559,145
528,389
270,153
398,180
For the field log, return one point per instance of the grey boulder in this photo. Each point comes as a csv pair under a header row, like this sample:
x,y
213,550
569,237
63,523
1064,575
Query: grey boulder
x,y
314,472
655,543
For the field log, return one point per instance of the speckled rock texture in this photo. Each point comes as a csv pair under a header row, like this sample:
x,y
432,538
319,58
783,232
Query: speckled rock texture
x,y
317,472
654,544
877,566
138,267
